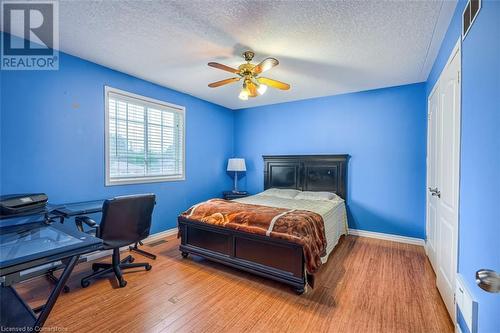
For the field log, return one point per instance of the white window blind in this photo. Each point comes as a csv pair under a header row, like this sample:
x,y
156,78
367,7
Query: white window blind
x,y
144,139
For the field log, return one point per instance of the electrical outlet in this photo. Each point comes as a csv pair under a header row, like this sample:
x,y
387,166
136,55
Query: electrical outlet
x,y
466,303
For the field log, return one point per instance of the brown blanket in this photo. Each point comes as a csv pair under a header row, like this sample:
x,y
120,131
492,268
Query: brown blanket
x,y
298,226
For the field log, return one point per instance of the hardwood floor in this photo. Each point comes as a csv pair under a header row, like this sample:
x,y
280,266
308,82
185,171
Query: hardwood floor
x,y
367,285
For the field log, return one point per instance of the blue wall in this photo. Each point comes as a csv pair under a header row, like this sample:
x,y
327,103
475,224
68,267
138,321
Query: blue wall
x,y
479,226
384,132
52,138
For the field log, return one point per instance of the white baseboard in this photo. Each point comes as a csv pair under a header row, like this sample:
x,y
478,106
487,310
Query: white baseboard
x,y
160,235
150,239
389,237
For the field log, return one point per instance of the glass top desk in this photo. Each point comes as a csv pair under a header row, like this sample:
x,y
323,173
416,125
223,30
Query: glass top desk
x,y
54,212
78,208
26,246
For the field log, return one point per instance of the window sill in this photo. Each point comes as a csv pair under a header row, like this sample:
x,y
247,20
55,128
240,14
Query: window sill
x,y
144,180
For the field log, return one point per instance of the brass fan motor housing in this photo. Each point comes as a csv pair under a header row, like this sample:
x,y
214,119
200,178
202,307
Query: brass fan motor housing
x,y
246,69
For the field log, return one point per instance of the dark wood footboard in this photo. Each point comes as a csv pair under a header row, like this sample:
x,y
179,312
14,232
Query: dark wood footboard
x,y
268,257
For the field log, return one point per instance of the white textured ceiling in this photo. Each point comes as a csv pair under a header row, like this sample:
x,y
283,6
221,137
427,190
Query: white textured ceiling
x,y
324,47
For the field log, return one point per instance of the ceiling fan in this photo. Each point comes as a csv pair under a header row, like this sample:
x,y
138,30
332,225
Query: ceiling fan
x,y
253,85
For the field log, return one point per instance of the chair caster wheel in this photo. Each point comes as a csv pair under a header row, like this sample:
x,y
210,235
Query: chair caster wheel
x,y
299,291
148,267
95,268
122,283
131,260
84,284
66,289
184,254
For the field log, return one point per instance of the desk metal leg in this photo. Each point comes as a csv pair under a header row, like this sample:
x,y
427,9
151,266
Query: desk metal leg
x,y
54,279
51,301
50,274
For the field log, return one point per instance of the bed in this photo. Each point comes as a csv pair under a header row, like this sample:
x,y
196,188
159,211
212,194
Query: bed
x,y
276,258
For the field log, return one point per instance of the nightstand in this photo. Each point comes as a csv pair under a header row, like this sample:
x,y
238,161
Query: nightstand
x,y
230,195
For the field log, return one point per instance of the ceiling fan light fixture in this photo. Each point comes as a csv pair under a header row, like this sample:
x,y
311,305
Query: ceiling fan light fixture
x,y
253,84
262,89
243,94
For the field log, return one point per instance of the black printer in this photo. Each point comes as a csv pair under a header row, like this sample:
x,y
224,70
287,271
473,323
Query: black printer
x,y
22,204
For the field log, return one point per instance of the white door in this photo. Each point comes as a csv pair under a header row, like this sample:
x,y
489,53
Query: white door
x,y
432,167
443,178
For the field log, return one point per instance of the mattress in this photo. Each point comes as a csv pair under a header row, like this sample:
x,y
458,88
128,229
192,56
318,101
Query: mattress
x,y
333,213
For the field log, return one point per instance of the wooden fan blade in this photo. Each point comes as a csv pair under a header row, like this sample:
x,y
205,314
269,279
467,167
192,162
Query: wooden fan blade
x,y
273,83
252,89
265,65
223,67
223,82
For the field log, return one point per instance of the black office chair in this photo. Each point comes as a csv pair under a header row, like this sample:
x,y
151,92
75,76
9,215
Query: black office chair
x,y
125,220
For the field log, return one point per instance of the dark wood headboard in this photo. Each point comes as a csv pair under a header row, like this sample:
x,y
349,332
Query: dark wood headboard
x,y
307,173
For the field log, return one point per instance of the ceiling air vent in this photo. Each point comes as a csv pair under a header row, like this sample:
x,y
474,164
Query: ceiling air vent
x,y
469,15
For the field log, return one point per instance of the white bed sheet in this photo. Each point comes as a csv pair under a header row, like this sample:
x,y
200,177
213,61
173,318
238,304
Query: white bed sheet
x,y
333,213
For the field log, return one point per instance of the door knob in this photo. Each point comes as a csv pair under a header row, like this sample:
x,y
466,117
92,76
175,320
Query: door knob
x,y
488,280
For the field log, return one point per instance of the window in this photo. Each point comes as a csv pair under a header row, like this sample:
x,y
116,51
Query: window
x,y
144,139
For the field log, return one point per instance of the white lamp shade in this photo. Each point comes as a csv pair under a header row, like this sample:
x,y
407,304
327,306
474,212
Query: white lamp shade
x,y
236,164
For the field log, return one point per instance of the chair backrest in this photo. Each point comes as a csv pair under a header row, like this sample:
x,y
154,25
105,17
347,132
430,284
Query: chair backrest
x,y
126,219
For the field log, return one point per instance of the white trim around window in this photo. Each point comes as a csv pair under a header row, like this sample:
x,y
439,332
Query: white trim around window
x,y
144,139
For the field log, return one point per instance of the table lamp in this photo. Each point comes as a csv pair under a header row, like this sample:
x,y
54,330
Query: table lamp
x,y
236,165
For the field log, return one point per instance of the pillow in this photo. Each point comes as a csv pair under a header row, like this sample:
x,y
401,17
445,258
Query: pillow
x,y
281,193
309,195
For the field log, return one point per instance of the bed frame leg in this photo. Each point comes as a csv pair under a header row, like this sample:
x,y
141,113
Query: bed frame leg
x,y
299,290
